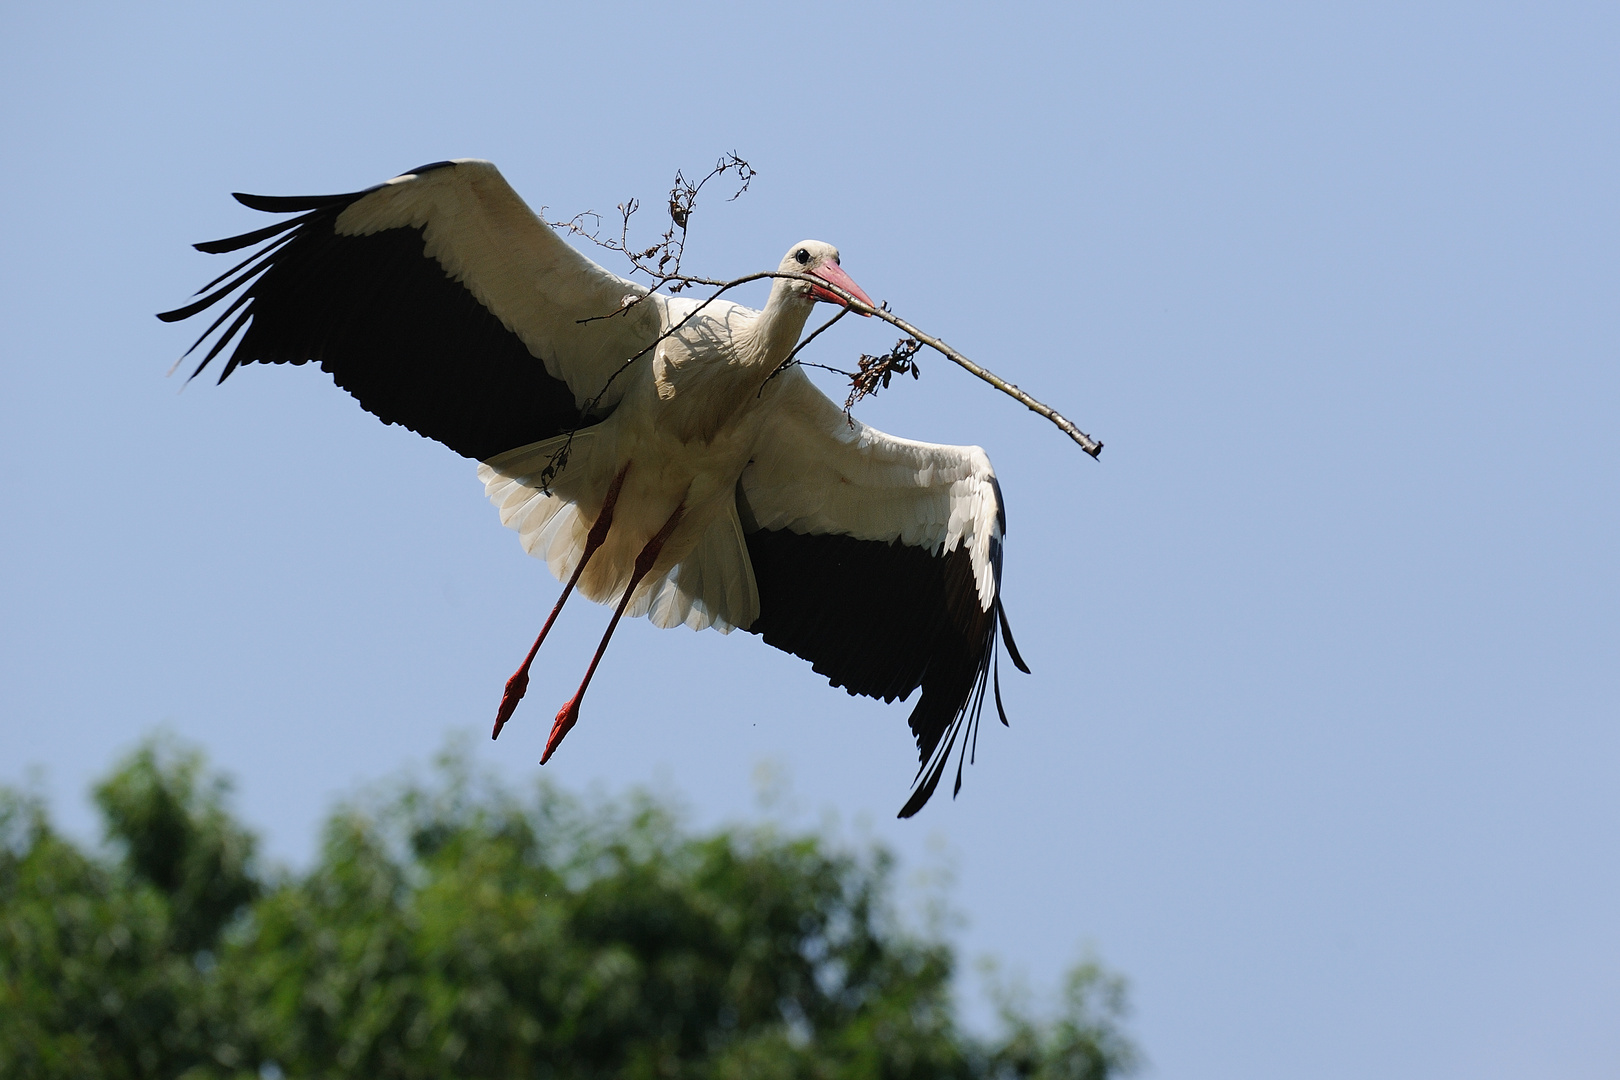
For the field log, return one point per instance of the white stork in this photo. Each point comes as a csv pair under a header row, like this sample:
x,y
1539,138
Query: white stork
x,y
693,488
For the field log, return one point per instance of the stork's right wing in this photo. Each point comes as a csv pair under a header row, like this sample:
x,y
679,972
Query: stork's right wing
x,y
440,301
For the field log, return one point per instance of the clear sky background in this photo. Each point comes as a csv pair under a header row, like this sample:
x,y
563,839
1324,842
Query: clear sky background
x,y
1321,745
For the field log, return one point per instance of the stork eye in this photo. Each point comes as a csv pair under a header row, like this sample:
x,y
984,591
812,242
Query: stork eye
x,y
802,256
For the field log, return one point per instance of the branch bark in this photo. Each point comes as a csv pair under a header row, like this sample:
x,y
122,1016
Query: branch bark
x,y
1064,424
671,248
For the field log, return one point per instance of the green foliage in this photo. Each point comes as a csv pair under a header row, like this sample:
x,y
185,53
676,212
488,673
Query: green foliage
x,y
175,836
453,929
105,968
1085,1042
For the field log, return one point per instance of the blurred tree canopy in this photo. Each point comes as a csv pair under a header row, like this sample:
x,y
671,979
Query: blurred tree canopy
x,y
453,929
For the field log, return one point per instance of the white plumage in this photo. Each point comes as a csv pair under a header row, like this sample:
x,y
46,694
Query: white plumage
x,y
638,442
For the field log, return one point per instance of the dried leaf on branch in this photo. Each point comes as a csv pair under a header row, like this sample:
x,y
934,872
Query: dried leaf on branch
x,y
875,371
661,260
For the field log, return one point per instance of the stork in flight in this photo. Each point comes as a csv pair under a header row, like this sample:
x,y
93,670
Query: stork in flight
x,y
691,486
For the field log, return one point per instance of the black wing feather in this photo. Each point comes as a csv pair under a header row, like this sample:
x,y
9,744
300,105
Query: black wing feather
x,y
413,346
881,619
236,243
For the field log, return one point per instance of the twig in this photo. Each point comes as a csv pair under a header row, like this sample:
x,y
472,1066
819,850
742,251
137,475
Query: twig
x,y
670,248
783,366
666,271
1064,424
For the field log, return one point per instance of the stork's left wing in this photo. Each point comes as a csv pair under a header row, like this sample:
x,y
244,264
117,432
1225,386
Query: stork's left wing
x,y
879,560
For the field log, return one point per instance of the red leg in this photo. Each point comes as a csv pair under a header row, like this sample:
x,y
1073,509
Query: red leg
x,y
568,716
519,682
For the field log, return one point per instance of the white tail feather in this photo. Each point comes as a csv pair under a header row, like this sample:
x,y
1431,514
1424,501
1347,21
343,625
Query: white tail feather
x,y
712,586
549,525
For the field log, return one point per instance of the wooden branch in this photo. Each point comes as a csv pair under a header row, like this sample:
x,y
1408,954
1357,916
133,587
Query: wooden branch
x,y
1064,424
671,247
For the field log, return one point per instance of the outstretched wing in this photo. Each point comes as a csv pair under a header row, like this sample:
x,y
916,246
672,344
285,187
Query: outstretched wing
x,y
439,300
879,560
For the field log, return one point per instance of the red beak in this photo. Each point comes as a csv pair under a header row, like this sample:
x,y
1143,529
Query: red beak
x,y
834,273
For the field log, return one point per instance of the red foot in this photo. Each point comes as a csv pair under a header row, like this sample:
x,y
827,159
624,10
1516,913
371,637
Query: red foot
x,y
567,717
515,688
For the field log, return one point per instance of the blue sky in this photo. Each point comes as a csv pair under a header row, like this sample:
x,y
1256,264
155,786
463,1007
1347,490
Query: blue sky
x,y
1320,749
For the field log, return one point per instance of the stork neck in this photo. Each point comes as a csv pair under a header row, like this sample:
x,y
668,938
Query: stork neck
x,y
777,330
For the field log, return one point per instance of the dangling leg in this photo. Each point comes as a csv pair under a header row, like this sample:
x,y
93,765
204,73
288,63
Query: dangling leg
x,y
519,682
568,716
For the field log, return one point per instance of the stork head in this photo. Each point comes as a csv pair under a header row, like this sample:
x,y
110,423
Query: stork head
x,y
819,260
